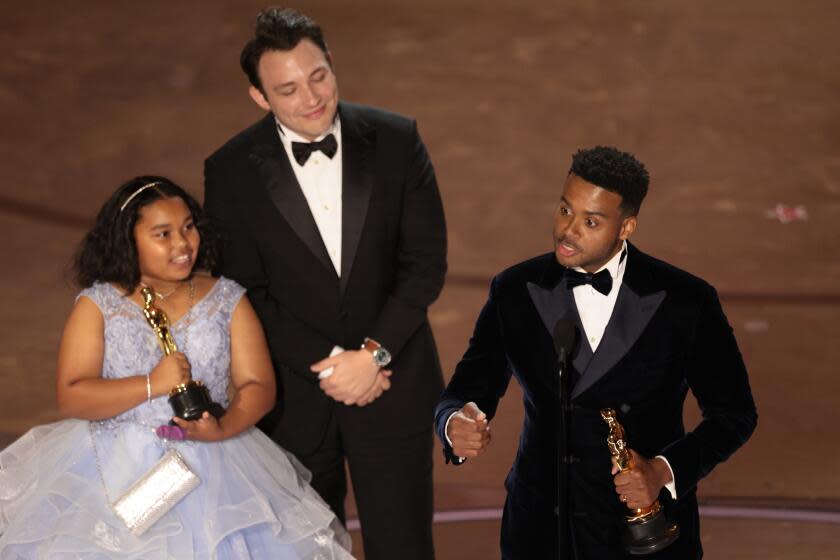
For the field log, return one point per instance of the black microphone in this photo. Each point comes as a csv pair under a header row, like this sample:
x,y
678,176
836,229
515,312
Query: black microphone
x,y
564,340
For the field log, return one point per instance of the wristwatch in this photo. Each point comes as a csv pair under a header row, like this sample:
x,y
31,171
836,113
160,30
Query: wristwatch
x,y
381,357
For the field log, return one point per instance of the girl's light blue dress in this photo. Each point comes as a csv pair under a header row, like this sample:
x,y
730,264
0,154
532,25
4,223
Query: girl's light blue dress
x,y
254,500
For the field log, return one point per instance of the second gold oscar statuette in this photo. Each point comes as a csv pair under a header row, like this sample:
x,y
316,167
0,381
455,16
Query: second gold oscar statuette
x,y
648,530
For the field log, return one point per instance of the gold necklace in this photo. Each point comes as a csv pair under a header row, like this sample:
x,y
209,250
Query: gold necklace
x,y
160,295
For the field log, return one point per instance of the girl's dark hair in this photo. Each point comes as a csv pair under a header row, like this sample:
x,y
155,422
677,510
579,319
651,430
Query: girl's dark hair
x,y
108,252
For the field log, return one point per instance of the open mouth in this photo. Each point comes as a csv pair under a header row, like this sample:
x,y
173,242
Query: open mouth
x,y
566,249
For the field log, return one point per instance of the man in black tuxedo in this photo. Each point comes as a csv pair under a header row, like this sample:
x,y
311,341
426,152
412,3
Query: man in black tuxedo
x,y
647,333
333,221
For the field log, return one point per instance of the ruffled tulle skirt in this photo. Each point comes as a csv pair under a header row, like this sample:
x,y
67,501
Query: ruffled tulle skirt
x,y
254,500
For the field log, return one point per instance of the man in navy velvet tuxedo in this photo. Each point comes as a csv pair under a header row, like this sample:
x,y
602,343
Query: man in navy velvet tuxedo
x,y
647,333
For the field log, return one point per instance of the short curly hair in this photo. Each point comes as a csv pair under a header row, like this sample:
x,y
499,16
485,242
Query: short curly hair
x,y
616,171
108,252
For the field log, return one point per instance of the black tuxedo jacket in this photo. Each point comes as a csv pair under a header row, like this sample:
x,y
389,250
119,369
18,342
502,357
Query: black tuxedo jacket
x,y
393,265
667,334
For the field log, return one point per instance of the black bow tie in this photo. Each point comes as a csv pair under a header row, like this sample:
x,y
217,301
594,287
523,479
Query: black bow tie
x,y
302,150
601,281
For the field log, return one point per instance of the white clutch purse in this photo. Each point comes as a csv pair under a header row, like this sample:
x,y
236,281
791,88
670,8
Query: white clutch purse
x,y
155,493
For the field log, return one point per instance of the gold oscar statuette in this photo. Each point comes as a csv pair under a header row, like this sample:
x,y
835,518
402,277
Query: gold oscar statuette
x,y
648,530
191,399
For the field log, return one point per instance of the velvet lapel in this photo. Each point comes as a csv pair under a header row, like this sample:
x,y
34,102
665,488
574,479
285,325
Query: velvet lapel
x,y
284,189
634,308
358,143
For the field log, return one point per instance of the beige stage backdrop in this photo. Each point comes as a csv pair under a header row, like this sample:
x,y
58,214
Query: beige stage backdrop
x,y
732,105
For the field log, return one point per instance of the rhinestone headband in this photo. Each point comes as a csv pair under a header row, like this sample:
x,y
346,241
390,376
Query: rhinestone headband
x,y
138,191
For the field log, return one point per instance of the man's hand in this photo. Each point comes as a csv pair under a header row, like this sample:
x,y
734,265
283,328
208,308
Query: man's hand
x,y
639,486
382,384
353,377
206,428
469,431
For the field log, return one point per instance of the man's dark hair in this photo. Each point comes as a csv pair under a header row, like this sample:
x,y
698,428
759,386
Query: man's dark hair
x,y
615,171
108,253
278,29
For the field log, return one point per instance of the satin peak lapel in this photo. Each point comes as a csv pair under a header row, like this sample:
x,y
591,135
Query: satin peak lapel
x,y
552,305
358,149
285,192
559,303
629,319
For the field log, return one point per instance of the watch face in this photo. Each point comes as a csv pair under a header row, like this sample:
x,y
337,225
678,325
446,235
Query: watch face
x,y
382,357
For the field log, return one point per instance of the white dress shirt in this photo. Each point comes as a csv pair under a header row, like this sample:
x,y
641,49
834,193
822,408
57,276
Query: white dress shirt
x,y
595,310
320,181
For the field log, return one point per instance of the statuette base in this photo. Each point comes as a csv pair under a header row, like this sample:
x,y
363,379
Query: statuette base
x,y
651,535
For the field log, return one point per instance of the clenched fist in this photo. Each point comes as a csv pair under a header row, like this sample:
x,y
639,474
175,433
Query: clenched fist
x,y
469,431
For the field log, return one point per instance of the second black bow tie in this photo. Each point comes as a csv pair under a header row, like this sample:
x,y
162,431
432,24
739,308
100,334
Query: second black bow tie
x,y
601,281
302,150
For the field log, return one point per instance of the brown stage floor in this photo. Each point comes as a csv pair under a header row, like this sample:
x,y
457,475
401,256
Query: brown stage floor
x,y
732,105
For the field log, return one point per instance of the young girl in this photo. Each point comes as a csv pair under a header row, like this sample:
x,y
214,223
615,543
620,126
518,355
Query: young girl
x,y
58,482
